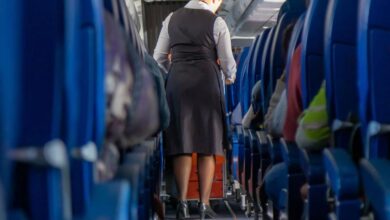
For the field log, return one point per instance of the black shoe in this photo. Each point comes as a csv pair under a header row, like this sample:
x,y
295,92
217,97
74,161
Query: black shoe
x,y
205,211
182,211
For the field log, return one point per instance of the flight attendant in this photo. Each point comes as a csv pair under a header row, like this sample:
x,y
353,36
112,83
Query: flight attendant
x,y
199,46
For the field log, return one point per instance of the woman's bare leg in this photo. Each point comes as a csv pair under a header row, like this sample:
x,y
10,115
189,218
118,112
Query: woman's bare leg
x,y
182,170
206,169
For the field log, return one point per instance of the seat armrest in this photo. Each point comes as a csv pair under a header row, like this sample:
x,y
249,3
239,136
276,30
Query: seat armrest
x,y
291,155
376,181
342,172
312,166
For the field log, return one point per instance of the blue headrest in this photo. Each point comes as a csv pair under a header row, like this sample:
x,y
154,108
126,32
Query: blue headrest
x,y
283,9
294,42
313,50
340,59
265,70
373,67
292,6
298,6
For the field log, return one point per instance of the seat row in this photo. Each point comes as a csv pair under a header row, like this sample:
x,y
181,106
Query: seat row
x,y
76,86
343,42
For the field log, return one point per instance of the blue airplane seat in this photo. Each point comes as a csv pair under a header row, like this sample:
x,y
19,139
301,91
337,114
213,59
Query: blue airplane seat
x,y
247,83
258,58
263,163
293,205
312,65
245,80
255,74
259,155
283,9
110,201
251,161
342,100
275,148
344,182
41,190
252,74
235,98
377,185
3,212
340,68
241,152
85,104
236,152
295,40
373,68
289,153
265,71
277,60
10,73
245,154
313,50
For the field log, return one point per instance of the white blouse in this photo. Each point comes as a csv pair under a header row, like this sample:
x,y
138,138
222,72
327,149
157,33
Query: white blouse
x,y
221,37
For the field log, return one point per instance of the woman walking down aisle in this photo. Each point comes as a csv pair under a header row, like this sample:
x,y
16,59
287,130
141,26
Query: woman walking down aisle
x,y
200,46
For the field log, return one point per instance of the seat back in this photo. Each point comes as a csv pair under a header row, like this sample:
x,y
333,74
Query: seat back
x,y
257,62
277,61
296,38
373,69
37,189
258,58
84,86
312,72
340,65
245,82
10,23
236,87
234,90
265,70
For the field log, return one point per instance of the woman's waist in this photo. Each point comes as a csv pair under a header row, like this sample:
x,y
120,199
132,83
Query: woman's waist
x,y
185,53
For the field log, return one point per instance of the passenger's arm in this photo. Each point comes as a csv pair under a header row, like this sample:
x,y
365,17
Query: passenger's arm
x,y
278,118
161,52
224,50
247,120
275,99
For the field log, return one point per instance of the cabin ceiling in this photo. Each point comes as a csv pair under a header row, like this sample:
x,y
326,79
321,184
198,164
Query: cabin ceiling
x,y
245,18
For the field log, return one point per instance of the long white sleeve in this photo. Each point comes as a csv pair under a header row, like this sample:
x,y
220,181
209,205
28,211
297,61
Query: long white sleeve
x,y
224,48
162,47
